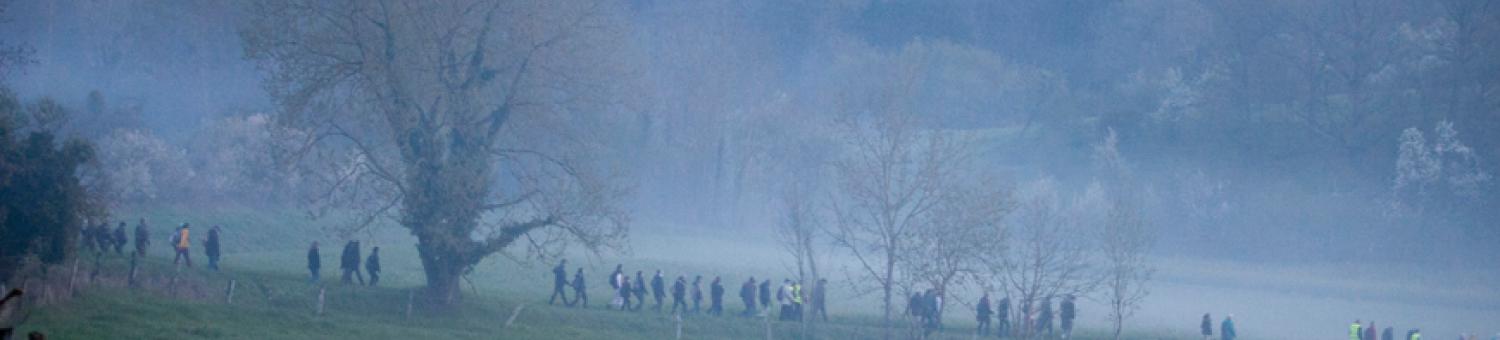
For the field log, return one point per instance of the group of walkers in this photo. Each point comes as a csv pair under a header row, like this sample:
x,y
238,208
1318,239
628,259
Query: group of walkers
x,y
1361,331
349,264
100,239
1038,322
1226,328
629,294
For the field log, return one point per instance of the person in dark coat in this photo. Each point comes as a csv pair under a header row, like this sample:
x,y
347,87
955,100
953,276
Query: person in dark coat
x,y
765,294
349,263
559,280
372,265
640,290
1002,315
142,238
624,292
1067,314
314,263
820,299
679,294
1370,331
1388,334
1044,318
1226,329
1207,327
658,290
697,294
747,295
211,248
106,237
86,234
982,315
716,297
580,290
120,239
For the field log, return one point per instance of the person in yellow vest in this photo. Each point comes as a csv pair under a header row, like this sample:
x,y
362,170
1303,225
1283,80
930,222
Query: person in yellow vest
x,y
180,242
797,301
1354,333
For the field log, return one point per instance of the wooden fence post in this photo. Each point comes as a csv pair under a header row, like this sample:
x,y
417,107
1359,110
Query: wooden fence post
x,y
410,293
320,301
133,259
73,275
514,314
678,319
229,296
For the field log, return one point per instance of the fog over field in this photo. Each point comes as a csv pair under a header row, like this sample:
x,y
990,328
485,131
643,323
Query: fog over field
x,y
1296,164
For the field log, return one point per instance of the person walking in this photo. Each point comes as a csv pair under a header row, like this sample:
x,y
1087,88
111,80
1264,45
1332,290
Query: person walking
x,y
1067,314
679,294
1370,331
797,300
621,288
1207,327
211,248
1002,317
580,290
640,290
982,315
314,263
747,295
820,300
181,243
1226,328
658,290
1044,318
716,297
784,311
697,293
765,295
1414,334
119,238
372,265
616,276
142,238
622,295
1354,333
1388,334
349,263
559,279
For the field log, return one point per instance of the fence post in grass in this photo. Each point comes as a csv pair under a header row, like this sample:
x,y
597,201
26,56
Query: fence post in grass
x,y
410,293
320,300
73,275
514,314
133,259
229,296
767,319
678,319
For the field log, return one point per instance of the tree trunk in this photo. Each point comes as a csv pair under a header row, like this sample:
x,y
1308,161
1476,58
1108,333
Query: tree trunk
x,y
444,191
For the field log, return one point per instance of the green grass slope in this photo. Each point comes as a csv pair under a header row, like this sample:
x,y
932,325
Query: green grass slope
x,y
264,256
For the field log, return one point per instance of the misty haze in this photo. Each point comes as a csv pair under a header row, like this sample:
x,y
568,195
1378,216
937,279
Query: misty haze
x,y
773,169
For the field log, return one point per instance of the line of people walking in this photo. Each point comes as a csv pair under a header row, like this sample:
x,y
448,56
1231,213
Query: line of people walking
x,y
1361,331
1039,321
100,239
1226,328
629,294
349,265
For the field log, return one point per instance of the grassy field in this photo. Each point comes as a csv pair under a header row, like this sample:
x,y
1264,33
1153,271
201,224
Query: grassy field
x,y
264,255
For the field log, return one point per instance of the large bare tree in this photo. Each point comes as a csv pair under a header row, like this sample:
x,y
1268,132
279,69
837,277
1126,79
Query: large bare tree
x,y
1047,254
467,121
894,175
